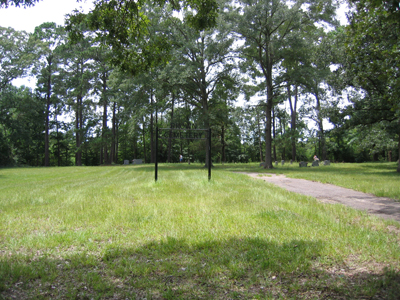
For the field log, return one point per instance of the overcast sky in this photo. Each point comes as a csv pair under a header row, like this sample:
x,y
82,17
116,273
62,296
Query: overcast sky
x,y
45,11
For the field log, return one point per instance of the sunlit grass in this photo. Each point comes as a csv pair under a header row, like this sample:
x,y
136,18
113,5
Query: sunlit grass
x,y
101,232
380,179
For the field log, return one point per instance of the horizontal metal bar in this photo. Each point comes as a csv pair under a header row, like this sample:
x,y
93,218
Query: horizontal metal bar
x,y
180,138
182,129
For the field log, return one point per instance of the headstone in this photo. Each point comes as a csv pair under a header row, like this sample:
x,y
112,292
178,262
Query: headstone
x,y
126,162
283,162
291,161
327,163
262,164
137,161
302,164
315,163
276,164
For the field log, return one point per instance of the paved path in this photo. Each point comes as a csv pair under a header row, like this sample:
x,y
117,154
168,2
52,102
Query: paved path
x,y
384,207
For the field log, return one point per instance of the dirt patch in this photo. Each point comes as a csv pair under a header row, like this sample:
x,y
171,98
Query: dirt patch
x,y
380,206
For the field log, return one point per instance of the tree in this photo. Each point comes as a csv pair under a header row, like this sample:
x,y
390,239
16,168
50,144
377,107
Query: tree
x,y
305,72
16,55
267,28
225,93
48,37
372,46
77,61
203,67
21,127
316,74
17,3
101,70
123,26
293,116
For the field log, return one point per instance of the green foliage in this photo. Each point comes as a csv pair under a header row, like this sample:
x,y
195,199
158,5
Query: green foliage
x,y
372,46
21,127
186,70
15,55
17,3
124,26
270,29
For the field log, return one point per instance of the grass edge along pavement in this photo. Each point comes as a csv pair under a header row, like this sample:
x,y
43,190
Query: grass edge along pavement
x,y
377,178
104,232
328,193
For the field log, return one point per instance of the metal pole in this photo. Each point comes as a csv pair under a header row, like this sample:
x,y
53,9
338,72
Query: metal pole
x,y
209,154
156,163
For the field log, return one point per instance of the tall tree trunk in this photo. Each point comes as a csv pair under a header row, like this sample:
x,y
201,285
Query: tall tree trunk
x,y
223,158
293,119
273,133
144,142
267,71
46,135
398,166
282,123
206,126
79,119
116,138
204,99
113,137
66,157
152,154
78,140
48,103
58,140
268,137
322,147
104,149
170,132
259,136
159,149
81,135
135,143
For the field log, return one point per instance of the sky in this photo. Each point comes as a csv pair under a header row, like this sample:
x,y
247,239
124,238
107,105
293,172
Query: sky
x,y
44,11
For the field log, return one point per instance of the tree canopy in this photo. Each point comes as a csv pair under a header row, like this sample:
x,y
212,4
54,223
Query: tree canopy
x,y
17,3
106,80
373,63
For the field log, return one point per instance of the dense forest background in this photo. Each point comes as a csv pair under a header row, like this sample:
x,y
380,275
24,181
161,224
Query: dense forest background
x,y
108,78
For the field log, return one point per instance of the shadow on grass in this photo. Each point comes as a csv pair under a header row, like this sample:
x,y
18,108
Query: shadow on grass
x,y
174,269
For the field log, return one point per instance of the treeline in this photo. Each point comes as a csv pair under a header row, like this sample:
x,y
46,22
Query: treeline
x,y
107,79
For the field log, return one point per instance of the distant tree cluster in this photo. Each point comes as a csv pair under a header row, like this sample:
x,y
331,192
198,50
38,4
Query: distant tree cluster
x,y
106,80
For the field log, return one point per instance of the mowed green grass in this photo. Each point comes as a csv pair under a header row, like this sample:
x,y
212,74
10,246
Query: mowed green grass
x,y
115,233
380,179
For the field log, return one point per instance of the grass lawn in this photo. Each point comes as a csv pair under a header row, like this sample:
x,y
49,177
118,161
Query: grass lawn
x,y
114,233
380,179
